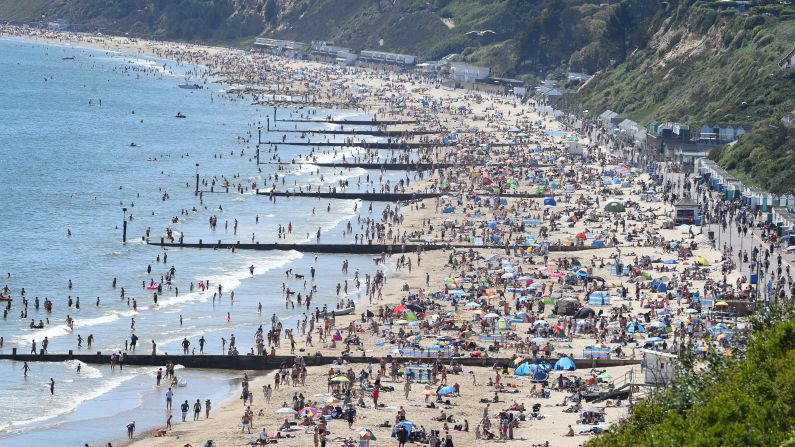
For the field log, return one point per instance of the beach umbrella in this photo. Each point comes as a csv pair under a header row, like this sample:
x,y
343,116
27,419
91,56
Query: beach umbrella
x,y
472,304
366,433
444,391
285,410
507,276
340,379
491,315
581,236
690,310
539,340
721,303
518,360
605,376
399,309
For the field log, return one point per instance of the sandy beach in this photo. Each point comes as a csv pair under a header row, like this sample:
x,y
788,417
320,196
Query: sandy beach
x,y
556,273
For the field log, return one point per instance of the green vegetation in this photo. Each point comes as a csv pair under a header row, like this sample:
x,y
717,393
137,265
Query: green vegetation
x,y
514,37
765,157
743,400
713,62
511,36
194,20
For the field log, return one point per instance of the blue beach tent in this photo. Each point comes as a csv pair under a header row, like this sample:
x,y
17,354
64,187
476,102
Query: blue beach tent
x,y
565,364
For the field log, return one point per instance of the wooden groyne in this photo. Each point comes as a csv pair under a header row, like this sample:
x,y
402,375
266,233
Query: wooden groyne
x,y
351,122
343,249
354,249
364,144
379,166
368,132
379,196
257,362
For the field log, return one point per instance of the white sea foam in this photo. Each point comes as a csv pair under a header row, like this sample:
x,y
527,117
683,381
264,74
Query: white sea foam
x,y
230,280
90,393
59,330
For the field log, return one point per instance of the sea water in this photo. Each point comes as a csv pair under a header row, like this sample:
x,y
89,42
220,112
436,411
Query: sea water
x,y
83,138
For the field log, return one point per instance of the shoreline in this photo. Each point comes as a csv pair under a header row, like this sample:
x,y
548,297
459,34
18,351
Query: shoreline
x,y
399,281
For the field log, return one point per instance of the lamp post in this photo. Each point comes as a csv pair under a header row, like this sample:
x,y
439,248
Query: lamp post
x,y
124,227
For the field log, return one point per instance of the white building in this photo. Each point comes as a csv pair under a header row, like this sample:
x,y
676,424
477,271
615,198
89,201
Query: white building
x,y
277,44
387,58
660,367
463,72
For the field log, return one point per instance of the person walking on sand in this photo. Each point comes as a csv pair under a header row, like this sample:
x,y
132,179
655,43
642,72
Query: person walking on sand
x,y
169,399
207,409
402,435
246,422
130,430
197,409
185,407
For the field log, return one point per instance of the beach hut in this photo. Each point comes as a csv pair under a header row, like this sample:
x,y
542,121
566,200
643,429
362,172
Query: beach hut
x,y
687,212
550,201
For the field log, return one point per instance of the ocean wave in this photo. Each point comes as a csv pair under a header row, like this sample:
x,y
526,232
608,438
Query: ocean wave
x,y
89,393
86,371
230,280
55,331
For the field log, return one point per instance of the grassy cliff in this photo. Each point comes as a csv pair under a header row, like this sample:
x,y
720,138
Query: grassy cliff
x,y
514,37
711,61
